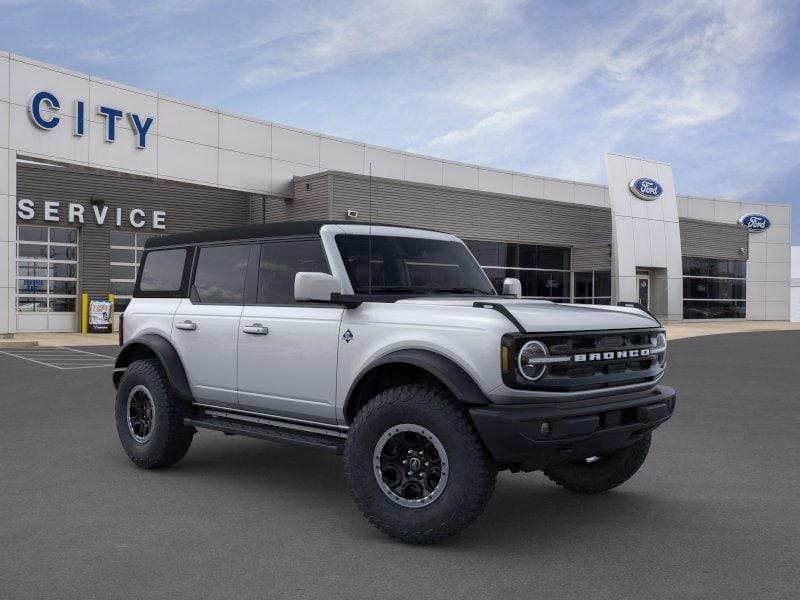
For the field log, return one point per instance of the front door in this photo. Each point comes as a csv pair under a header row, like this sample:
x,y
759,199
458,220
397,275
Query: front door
x,y
288,350
644,290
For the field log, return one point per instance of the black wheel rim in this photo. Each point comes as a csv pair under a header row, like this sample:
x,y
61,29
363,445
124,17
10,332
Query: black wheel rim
x,y
140,413
410,465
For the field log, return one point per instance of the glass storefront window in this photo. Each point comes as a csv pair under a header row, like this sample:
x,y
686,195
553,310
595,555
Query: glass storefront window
x,y
602,286
123,255
525,256
47,269
32,234
543,270
584,288
64,253
32,251
62,305
592,287
711,309
32,269
32,286
713,267
60,235
123,272
714,288
63,288
31,304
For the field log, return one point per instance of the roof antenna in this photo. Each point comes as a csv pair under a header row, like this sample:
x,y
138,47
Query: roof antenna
x,y
369,237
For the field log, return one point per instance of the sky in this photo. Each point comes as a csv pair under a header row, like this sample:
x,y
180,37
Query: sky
x,y
711,87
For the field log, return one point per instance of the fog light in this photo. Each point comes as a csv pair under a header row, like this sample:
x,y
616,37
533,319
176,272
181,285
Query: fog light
x,y
544,429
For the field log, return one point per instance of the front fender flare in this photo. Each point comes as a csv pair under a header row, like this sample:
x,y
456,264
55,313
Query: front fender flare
x,y
166,354
453,376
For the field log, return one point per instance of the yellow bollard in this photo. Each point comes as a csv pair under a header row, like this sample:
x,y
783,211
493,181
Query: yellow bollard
x,y
111,298
84,312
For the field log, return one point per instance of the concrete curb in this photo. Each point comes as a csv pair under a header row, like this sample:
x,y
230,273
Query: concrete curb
x,y
18,344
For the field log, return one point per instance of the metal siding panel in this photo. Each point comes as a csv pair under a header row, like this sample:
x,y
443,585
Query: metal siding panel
x,y
310,202
468,214
713,240
591,258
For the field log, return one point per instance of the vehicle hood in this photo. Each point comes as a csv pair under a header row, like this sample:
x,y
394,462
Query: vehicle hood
x,y
545,316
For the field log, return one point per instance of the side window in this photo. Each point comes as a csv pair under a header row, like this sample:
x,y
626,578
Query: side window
x,y
281,261
163,270
220,274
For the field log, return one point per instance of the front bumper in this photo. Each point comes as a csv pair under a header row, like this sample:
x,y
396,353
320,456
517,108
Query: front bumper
x,y
538,437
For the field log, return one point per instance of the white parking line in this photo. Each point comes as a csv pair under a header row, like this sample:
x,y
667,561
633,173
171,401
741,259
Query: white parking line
x,y
31,360
63,358
86,352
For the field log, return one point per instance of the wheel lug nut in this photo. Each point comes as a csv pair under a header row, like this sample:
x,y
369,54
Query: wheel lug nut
x,y
410,473
405,461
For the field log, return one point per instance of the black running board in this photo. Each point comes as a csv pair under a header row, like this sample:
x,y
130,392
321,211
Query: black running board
x,y
318,441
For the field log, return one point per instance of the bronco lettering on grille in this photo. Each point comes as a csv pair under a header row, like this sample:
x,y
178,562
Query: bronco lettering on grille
x,y
616,355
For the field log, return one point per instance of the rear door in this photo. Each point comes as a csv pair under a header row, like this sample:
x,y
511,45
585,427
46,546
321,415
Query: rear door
x,y
287,350
205,328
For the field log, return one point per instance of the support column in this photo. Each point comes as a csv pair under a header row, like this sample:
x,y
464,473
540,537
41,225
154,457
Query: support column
x,y
645,233
8,238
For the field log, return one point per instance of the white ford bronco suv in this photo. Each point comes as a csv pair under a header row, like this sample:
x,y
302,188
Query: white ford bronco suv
x,y
388,345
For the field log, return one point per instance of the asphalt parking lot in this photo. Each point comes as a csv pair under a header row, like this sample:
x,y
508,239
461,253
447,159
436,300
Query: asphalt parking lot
x,y
714,512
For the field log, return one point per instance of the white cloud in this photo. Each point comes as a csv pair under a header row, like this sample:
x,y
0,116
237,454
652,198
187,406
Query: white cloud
x,y
326,39
690,72
675,65
494,124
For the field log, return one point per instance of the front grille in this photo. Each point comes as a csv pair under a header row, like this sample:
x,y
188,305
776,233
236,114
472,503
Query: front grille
x,y
604,360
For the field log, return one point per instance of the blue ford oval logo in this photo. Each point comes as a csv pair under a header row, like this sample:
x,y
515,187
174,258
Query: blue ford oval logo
x,y
755,222
646,189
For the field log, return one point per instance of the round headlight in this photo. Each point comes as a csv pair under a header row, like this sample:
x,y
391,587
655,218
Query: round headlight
x,y
660,348
527,360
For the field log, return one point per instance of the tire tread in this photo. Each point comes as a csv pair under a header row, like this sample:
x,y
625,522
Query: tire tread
x,y
177,436
482,474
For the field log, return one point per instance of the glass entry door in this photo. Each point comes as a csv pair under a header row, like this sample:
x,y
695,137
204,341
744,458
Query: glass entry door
x,y
643,284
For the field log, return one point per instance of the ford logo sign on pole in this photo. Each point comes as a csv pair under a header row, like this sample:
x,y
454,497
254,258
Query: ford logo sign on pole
x,y
754,222
646,189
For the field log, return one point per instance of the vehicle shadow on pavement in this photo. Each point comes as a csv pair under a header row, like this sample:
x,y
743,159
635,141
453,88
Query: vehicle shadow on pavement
x,y
526,508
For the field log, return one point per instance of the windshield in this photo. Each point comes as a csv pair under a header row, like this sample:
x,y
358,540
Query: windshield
x,y
403,265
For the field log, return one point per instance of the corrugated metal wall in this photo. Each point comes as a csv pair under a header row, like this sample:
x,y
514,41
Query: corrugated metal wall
x,y
310,202
468,214
257,209
591,258
713,240
188,207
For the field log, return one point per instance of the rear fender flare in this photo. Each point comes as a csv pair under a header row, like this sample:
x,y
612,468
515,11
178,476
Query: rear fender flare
x,y
165,352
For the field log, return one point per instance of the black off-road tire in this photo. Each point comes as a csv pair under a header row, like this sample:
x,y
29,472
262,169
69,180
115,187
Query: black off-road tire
x,y
606,473
170,438
471,476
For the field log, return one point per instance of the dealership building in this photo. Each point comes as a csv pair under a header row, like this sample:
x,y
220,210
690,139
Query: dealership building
x,y
89,169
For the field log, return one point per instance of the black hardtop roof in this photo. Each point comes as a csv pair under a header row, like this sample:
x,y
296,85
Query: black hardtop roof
x,y
250,232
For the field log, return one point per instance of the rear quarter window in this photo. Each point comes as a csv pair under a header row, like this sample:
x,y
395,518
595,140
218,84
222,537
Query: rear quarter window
x,y
162,273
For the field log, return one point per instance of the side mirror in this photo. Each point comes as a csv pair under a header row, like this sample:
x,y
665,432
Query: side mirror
x,y
315,287
512,287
